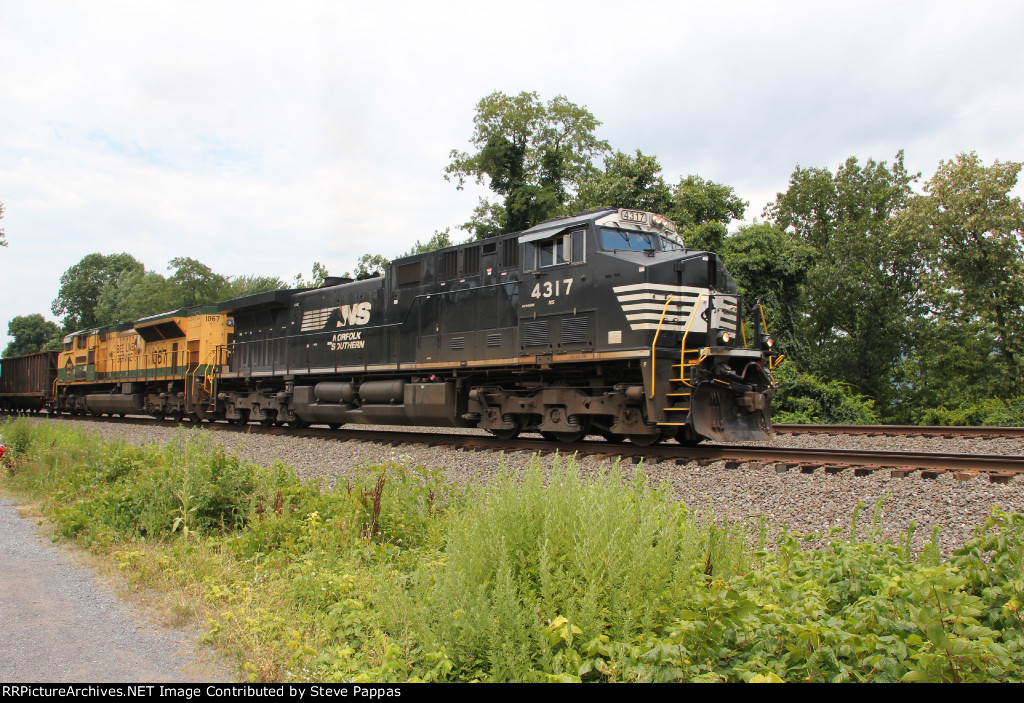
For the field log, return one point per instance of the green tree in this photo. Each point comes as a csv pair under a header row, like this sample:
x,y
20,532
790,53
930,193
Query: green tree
x,y
196,282
440,240
376,264
973,335
863,289
241,286
702,211
134,295
370,265
317,278
628,181
533,154
81,284
31,334
771,267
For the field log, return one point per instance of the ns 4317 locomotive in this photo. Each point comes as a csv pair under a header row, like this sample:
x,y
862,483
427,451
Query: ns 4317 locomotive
x,y
602,323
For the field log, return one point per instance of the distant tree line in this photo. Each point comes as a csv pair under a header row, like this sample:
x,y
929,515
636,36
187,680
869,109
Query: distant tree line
x,y
892,304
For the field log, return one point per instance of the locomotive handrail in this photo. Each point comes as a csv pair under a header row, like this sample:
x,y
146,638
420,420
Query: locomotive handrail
x,y
772,363
655,342
682,353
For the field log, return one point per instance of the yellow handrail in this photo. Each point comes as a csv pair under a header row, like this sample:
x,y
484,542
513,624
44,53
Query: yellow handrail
x,y
655,342
682,355
772,363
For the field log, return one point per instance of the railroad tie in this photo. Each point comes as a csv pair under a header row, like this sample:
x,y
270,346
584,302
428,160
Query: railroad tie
x,y
902,473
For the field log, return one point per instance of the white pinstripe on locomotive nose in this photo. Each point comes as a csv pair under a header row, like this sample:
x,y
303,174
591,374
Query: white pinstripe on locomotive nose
x,y
642,304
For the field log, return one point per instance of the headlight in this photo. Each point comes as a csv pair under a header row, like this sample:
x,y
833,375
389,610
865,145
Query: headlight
x,y
767,342
725,337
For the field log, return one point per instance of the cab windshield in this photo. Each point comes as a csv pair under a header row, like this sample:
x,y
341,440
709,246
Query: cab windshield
x,y
632,240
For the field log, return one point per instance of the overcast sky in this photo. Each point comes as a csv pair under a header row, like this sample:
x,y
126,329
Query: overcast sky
x,y
259,136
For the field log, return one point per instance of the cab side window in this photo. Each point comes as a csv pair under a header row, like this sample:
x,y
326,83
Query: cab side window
x,y
558,250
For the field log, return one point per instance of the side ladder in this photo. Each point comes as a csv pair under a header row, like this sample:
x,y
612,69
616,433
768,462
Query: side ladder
x,y
675,404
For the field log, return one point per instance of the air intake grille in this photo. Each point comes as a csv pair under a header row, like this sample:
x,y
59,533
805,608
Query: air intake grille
x,y
574,330
494,340
535,334
458,342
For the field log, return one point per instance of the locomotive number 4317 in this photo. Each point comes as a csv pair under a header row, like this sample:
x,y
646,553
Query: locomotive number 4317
x,y
552,289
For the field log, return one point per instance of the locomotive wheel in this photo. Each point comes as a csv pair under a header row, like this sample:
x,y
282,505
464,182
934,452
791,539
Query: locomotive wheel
x,y
612,437
644,440
298,424
335,425
570,437
549,436
506,434
267,421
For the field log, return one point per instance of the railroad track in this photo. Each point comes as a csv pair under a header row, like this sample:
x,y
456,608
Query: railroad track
x,y
903,430
998,468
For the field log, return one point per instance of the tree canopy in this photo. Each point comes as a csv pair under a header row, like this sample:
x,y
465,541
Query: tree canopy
x,y
81,285
30,334
533,154
863,286
972,325
106,290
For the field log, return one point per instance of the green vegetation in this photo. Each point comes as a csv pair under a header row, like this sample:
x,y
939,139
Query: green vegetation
x,y
552,576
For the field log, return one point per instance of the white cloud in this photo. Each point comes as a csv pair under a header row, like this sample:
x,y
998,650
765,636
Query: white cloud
x,y
261,136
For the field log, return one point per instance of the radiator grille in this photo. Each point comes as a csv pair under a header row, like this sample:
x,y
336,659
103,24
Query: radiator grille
x,y
574,330
458,342
535,333
494,340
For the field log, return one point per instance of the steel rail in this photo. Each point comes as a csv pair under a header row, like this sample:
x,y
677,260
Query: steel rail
x,y
830,459
905,430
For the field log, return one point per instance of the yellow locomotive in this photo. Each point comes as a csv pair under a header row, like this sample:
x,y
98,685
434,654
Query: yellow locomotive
x,y
161,365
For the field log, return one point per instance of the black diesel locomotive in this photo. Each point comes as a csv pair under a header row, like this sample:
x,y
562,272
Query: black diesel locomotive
x,y
600,323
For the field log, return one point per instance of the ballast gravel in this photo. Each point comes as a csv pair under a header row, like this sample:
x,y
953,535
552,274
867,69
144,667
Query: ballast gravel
x,y
812,503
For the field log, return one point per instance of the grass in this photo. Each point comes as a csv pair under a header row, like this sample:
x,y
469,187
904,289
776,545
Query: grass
x,y
551,575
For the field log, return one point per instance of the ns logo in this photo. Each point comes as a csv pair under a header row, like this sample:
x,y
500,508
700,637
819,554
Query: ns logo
x,y
355,314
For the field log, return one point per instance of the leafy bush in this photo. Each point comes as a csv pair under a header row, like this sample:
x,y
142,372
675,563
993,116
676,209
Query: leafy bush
x,y
804,398
991,412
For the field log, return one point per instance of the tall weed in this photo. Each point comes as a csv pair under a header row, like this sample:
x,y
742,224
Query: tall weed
x,y
609,557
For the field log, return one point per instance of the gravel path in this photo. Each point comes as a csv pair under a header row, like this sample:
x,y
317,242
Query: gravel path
x,y
807,503
61,624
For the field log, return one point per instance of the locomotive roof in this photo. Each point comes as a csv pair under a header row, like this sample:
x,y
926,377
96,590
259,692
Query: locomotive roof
x,y
563,222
